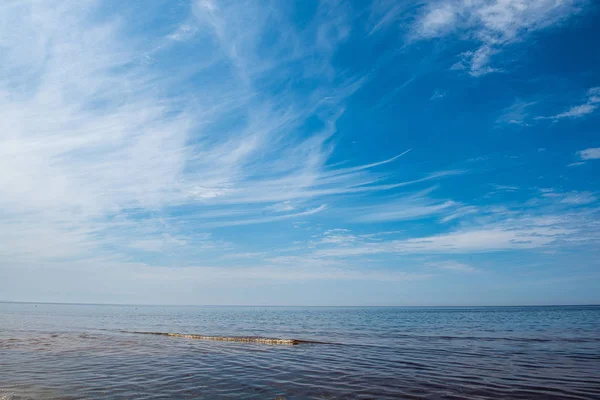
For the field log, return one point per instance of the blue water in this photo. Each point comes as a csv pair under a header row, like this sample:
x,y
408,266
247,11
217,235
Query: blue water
x,y
79,351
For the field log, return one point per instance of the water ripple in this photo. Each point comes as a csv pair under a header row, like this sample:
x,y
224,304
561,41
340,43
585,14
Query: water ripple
x,y
42,359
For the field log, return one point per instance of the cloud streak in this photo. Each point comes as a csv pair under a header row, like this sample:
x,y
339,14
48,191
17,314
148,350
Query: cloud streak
x,y
99,139
593,98
554,222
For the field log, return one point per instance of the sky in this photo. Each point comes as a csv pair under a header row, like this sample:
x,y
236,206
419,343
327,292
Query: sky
x,y
300,152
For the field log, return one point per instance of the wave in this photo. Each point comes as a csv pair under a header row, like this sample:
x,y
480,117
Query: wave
x,y
242,339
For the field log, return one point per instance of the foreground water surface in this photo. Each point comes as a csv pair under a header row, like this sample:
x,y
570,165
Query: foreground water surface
x,y
80,351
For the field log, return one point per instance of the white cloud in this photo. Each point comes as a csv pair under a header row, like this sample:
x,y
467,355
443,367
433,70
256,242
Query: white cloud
x,y
439,20
282,207
414,206
502,237
405,211
506,188
572,198
576,111
517,114
492,239
559,220
594,95
385,13
437,95
460,212
579,198
455,266
341,237
493,24
580,110
593,153
262,220
477,61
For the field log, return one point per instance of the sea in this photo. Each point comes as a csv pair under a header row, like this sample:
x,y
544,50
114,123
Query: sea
x,y
60,351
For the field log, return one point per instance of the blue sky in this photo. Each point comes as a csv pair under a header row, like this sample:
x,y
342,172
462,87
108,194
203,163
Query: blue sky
x,y
300,153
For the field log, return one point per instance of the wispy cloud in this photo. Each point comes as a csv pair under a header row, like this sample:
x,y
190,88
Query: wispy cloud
x,y
493,25
585,155
517,113
560,220
455,266
405,210
574,112
388,12
459,212
417,205
262,220
437,95
593,153
101,141
506,188
581,110
522,234
579,198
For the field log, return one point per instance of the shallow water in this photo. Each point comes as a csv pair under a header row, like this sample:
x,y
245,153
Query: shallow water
x,y
80,351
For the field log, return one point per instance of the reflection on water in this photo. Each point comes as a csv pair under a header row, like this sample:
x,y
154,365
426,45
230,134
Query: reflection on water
x,y
80,351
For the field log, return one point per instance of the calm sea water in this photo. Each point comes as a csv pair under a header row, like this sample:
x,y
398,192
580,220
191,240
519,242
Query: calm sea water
x,y
78,351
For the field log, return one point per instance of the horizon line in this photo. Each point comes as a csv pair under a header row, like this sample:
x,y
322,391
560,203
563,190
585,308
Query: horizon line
x,y
298,306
